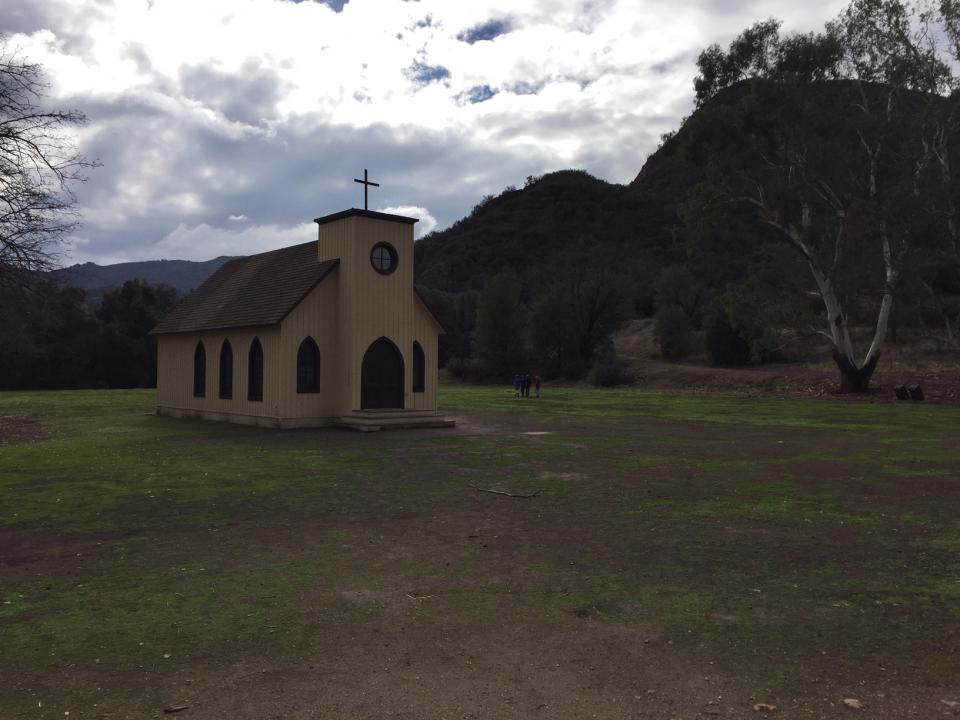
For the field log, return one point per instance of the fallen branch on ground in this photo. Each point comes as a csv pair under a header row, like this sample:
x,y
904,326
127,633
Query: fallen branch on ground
x,y
501,492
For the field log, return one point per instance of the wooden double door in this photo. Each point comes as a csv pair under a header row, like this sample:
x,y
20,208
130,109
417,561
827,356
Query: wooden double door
x,y
381,377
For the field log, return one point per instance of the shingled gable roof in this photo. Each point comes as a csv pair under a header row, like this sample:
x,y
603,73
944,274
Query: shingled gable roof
x,y
256,290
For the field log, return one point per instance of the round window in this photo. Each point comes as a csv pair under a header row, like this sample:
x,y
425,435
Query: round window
x,y
383,257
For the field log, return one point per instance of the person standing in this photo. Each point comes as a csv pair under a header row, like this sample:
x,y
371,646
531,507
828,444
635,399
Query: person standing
x,y
517,385
526,385
536,384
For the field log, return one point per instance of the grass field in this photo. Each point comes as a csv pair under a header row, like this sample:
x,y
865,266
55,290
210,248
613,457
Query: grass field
x,y
683,556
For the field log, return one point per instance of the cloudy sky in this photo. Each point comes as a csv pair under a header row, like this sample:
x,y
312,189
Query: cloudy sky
x,y
224,126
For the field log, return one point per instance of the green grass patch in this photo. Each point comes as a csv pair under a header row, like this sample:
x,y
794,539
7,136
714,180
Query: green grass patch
x,y
779,538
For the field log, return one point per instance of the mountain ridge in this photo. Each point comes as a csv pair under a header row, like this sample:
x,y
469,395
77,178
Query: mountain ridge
x,y
96,280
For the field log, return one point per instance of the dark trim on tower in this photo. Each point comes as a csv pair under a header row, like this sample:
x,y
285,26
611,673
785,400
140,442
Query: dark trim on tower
x,y
364,213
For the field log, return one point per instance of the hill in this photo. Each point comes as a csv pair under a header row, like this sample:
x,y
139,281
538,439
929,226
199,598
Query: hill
x,y
558,221
183,275
562,220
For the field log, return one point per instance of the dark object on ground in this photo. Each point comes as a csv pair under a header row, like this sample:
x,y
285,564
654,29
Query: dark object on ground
x,y
916,392
902,392
174,709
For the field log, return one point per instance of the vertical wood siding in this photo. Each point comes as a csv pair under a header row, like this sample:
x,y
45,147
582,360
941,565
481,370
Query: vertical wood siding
x,y
315,316
373,305
175,372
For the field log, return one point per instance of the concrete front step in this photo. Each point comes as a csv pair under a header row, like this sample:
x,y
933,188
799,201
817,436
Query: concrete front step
x,y
372,420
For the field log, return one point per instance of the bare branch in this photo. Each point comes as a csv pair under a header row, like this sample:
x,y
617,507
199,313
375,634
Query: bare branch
x,y
38,165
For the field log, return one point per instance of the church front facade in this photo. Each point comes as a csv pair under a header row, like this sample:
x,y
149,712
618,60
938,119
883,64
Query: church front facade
x,y
330,333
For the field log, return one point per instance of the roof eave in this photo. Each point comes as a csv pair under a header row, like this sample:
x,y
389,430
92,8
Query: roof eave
x,y
440,327
213,328
373,215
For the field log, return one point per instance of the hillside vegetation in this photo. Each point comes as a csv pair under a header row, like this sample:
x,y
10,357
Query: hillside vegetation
x,y
537,232
96,280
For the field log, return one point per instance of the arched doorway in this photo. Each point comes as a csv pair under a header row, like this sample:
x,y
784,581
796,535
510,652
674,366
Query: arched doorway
x,y
381,383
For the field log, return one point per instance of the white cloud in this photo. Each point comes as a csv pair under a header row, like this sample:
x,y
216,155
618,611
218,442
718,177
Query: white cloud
x,y
427,222
200,108
202,242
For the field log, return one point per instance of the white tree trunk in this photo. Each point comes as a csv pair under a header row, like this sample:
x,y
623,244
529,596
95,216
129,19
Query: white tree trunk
x,y
839,331
886,305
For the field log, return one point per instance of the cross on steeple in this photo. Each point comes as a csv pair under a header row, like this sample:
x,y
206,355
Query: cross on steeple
x,y
366,184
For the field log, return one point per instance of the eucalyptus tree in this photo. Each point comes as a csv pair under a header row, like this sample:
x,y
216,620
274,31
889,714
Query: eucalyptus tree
x,y
835,139
941,271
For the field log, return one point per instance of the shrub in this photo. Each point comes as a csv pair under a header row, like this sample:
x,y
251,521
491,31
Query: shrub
x,y
610,375
462,368
673,332
725,346
675,285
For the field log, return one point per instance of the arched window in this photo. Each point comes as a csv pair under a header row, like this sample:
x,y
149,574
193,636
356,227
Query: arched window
x,y
308,367
199,371
255,372
419,371
226,371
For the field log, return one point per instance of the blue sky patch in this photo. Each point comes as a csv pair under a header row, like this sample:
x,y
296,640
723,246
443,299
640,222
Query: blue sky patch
x,y
335,5
485,31
477,94
423,74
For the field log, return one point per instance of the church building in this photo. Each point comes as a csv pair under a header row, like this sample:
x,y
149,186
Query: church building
x,y
330,333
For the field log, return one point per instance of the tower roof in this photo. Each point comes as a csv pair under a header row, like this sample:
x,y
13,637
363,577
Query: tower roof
x,y
364,213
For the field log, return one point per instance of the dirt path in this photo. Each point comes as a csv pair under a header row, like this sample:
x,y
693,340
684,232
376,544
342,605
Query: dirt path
x,y
21,428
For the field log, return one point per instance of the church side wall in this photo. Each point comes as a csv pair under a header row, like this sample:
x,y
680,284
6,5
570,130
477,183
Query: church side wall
x,y
175,355
316,317
425,332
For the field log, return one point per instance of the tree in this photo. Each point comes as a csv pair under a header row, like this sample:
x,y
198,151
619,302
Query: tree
x,y
47,337
675,285
457,313
501,320
725,346
574,318
126,354
832,141
38,165
673,331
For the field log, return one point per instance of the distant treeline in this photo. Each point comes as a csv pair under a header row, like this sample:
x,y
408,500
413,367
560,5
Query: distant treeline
x,y
562,332
49,337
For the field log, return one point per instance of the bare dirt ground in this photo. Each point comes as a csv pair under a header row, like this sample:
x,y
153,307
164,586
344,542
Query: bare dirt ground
x,y
21,428
413,656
